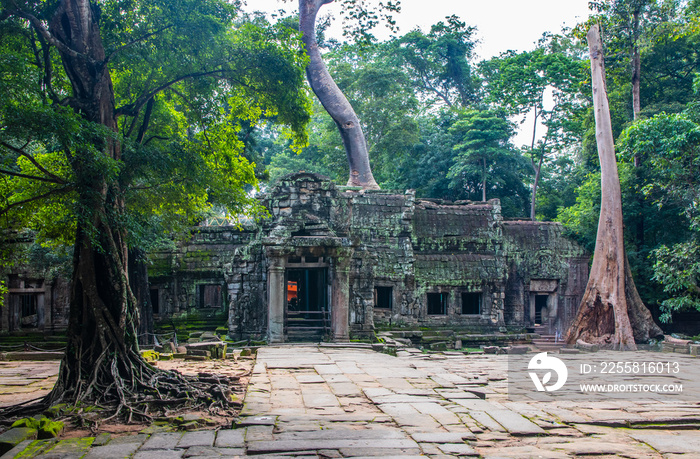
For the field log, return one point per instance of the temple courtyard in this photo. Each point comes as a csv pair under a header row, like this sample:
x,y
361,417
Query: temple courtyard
x,y
327,401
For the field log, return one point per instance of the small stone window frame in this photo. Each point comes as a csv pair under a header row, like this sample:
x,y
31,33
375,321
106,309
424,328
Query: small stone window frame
x,y
437,303
472,303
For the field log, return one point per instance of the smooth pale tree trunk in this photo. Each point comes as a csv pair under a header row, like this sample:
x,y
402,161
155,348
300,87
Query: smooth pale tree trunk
x,y
611,313
333,100
483,179
537,168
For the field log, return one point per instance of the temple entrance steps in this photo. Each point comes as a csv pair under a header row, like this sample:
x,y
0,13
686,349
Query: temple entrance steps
x,y
547,342
308,325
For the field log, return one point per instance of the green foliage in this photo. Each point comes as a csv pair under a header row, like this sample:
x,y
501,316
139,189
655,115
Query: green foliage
x,y
186,96
487,166
45,426
437,63
669,145
677,268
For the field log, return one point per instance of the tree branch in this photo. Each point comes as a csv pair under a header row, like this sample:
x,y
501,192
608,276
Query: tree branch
x,y
146,120
134,41
35,198
31,177
133,108
159,137
20,151
48,36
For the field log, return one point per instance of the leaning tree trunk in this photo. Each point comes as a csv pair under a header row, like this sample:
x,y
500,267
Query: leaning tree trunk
x,y
333,100
610,309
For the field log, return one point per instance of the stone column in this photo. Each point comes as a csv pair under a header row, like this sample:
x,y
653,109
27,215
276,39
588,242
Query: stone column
x,y
276,297
340,307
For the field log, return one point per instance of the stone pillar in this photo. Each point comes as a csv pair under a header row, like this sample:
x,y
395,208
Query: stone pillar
x,y
340,307
276,297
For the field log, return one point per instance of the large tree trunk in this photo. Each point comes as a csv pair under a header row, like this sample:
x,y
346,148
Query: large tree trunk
x,y
138,280
609,301
333,100
483,179
537,168
636,64
102,365
102,359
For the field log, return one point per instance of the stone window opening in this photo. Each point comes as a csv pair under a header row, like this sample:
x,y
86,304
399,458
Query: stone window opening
x,y
210,296
383,297
437,304
471,303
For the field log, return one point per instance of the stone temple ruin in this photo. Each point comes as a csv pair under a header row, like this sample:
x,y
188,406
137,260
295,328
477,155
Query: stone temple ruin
x,y
336,262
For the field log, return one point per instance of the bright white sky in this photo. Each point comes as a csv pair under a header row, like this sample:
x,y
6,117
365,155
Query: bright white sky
x,y
501,24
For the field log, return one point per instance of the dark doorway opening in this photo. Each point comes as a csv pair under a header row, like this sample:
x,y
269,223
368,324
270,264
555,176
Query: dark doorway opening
x,y
540,307
308,312
383,297
155,300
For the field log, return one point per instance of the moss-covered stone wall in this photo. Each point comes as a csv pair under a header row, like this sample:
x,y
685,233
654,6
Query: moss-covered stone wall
x,y
411,248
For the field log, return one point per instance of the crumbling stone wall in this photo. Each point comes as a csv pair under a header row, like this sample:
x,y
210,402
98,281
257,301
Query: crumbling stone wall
x,y
540,258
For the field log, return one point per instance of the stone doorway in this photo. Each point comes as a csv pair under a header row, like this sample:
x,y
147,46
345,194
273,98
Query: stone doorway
x,y
541,313
314,281
307,314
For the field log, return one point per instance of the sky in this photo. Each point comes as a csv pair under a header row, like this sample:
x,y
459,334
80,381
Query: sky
x,y
502,25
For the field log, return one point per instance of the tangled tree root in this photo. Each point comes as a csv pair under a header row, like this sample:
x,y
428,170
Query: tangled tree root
x,y
130,391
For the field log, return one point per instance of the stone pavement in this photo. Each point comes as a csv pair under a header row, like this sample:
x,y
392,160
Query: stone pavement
x,y
332,401
21,381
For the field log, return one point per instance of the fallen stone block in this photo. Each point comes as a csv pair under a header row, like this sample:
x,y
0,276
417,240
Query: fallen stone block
x,y
695,349
567,350
517,350
492,350
588,347
15,436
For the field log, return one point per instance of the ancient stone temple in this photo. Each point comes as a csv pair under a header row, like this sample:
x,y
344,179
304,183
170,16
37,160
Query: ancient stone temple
x,y
336,262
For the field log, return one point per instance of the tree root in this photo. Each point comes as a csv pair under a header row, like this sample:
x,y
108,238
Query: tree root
x,y
149,394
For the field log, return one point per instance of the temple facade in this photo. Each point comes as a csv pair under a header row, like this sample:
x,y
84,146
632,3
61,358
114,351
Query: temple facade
x,y
338,262
334,263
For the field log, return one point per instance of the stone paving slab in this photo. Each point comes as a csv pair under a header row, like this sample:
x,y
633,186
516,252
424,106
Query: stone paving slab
x,y
162,440
305,444
160,454
685,442
200,438
113,450
230,438
515,424
443,437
